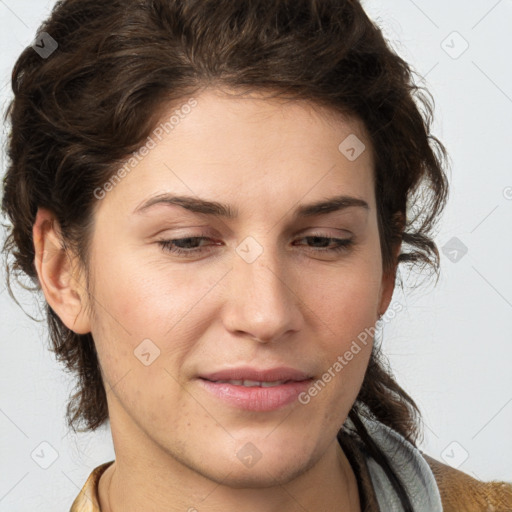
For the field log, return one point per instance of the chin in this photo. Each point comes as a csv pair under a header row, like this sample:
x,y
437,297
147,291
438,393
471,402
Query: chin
x,y
276,464
264,475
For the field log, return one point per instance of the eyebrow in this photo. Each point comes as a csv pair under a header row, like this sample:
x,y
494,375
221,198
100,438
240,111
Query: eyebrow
x,y
226,211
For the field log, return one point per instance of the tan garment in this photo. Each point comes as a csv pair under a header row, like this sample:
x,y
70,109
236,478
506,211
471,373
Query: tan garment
x,y
459,491
87,500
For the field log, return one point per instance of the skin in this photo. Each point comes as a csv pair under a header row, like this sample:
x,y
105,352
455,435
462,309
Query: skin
x,y
295,305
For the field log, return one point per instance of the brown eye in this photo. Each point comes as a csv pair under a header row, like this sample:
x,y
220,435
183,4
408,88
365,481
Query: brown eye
x,y
339,244
183,246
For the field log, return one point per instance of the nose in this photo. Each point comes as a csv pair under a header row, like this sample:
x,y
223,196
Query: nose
x,y
263,301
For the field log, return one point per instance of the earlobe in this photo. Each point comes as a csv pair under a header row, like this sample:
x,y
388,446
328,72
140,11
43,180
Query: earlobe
x,y
57,277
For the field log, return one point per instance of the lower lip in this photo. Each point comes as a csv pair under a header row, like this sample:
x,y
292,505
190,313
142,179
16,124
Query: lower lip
x,y
256,398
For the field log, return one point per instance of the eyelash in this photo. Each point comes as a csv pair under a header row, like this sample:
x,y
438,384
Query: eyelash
x,y
342,245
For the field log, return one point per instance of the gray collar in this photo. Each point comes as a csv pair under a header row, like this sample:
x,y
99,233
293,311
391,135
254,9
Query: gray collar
x,y
410,467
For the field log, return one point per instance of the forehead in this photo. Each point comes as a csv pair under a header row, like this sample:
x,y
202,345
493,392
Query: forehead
x,y
254,121
252,150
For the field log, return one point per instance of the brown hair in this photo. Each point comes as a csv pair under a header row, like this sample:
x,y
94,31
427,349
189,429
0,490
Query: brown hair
x,y
79,112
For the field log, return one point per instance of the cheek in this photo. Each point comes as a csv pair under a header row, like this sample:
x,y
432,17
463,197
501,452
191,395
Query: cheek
x,y
144,299
148,313
345,307
346,301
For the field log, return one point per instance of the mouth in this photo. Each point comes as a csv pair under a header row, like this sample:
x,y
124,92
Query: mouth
x,y
254,383
253,389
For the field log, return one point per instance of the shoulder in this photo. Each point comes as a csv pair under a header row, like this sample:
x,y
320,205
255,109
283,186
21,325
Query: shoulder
x,y
460,491
87,500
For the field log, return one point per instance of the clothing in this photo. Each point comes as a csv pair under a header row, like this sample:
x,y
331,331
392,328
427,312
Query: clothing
x,y
406,461
432,485
427,480
87,500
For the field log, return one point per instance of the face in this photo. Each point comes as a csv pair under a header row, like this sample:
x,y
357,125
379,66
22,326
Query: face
x,y
185,297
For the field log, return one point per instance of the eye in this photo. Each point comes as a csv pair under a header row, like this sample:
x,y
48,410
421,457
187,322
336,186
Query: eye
x,y
191,246
340,244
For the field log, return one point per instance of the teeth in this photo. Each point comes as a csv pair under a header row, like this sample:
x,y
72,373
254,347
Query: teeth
x,y
270,384
252,383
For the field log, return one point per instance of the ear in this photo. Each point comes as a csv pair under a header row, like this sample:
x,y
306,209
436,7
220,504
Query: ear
x,y
388,279
59,280
388,282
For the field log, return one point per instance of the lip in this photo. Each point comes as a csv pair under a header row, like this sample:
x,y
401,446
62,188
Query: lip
x,y
258,374
256,398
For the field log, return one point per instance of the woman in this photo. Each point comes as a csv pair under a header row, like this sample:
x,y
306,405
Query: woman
x,y
214,198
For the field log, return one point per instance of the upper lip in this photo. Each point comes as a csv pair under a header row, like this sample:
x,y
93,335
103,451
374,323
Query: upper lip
x,y
257,374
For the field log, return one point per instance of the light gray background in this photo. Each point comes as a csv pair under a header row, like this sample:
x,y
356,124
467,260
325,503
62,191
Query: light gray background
x,y
450,347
